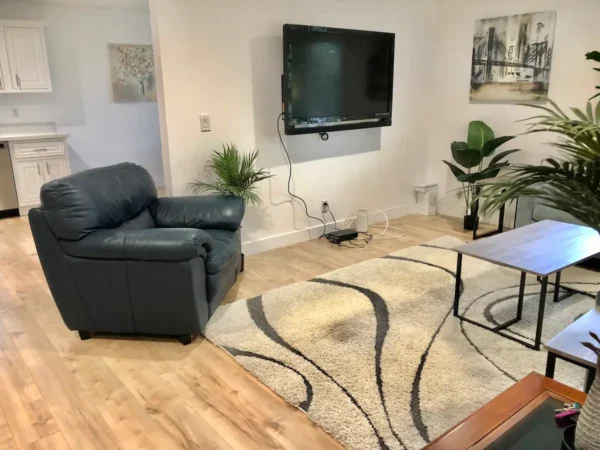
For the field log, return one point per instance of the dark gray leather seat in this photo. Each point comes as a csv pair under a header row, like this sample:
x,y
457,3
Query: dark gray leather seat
x,y
119,259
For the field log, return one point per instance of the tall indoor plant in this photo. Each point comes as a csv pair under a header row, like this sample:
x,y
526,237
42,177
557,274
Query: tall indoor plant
x,y
233,174
587,434
481,143
594,56
569,183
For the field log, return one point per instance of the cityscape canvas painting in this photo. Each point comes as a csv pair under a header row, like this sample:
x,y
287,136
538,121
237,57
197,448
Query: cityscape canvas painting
x,y
512,58
132,73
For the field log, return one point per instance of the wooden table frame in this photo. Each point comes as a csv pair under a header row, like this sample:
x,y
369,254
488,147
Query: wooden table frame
x,y
499,415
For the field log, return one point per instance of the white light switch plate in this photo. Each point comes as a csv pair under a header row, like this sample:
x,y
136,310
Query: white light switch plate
x,y
204,122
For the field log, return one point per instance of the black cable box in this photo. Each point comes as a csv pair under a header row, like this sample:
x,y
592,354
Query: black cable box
x,y
338,236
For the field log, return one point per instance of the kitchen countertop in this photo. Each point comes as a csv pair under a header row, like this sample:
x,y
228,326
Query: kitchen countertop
x,y
44,135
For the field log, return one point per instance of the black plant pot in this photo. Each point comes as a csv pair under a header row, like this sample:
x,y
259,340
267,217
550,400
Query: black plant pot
x,y
469,222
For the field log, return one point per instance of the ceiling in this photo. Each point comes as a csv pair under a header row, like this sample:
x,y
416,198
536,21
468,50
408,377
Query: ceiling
x,y
119,4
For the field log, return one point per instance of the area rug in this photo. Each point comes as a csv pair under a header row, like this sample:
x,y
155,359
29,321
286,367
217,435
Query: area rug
x,y
373,354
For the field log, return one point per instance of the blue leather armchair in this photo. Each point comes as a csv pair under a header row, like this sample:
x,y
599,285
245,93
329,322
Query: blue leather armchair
x,y
118,259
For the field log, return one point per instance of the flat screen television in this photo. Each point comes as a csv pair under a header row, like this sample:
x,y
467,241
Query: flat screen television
x,y
336,79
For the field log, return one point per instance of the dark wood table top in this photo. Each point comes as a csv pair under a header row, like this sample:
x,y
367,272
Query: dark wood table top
x,y
542,248
496,417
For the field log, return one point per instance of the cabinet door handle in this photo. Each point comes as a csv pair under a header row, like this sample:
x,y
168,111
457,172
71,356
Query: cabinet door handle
x,y
40,149
18,81
39,171
47,169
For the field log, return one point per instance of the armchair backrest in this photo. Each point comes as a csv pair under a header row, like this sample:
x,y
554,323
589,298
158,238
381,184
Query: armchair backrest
x,y
94,199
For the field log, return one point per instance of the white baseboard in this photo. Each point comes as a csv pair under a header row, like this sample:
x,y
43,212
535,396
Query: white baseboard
x,y
293,237
458,210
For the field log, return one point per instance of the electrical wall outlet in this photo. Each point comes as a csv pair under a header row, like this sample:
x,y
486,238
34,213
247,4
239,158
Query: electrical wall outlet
x,y
324,206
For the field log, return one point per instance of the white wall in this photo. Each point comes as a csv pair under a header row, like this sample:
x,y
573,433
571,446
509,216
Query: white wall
x,y
102,132
571,84
225,58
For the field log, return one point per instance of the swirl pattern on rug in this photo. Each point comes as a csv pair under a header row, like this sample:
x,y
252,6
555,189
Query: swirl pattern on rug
x,y
372,353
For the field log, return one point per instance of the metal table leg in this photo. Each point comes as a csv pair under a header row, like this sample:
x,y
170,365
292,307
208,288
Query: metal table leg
x,y
540,321
568,292
499,329
475,212
521,295
589,380
557,287
550,365
510,322
457,286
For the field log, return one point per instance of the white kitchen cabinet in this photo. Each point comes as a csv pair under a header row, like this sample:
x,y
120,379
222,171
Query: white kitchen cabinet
x,y
29,178
54,168
2,81
35,161
23,58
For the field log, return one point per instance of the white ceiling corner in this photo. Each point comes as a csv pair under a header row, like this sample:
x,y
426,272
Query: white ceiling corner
x,y
114,4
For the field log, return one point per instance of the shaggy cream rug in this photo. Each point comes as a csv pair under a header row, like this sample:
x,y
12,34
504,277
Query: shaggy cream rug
x,y
373,354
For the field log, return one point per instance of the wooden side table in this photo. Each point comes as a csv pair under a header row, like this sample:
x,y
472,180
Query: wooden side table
x,y
514,419
566,345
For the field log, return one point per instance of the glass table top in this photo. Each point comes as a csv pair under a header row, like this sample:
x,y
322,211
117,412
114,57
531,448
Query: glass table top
x,y
537,430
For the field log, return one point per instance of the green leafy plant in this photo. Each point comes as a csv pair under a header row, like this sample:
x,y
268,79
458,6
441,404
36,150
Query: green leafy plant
x,y
594,56
481,143
233,174
570,182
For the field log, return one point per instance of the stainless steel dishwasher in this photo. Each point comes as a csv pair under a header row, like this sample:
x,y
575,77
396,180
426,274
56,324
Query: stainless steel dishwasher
x,y
9,205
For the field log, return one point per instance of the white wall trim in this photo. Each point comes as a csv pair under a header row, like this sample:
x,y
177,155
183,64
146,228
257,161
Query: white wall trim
x,y
293,237
458,210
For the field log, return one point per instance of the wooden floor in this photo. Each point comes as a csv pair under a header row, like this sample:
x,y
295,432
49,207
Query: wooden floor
x,y
58,392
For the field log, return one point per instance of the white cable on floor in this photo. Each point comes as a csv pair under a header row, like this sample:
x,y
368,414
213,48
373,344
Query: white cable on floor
x,y
387,226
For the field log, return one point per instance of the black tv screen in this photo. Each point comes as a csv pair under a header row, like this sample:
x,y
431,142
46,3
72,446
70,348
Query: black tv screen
x,y
336,79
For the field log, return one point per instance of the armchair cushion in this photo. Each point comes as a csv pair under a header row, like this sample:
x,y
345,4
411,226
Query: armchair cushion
x,y
213,212
153,244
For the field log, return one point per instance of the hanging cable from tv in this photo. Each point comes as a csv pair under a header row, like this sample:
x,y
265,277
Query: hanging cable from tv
x,y
289,190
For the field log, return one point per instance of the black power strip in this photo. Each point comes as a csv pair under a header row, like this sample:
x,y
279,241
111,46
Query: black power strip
x,y
339,236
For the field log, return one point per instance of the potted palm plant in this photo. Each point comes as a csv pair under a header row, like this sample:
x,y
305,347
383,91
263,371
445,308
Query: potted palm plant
x,y
233,174
594,56
569,183
481,143
587,434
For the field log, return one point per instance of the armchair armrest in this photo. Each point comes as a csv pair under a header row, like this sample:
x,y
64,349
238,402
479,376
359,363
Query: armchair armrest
x,y
205,212
153,244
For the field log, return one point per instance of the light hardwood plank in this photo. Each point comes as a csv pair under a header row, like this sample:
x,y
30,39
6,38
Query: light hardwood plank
x,y
55,442
27,414
6,437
